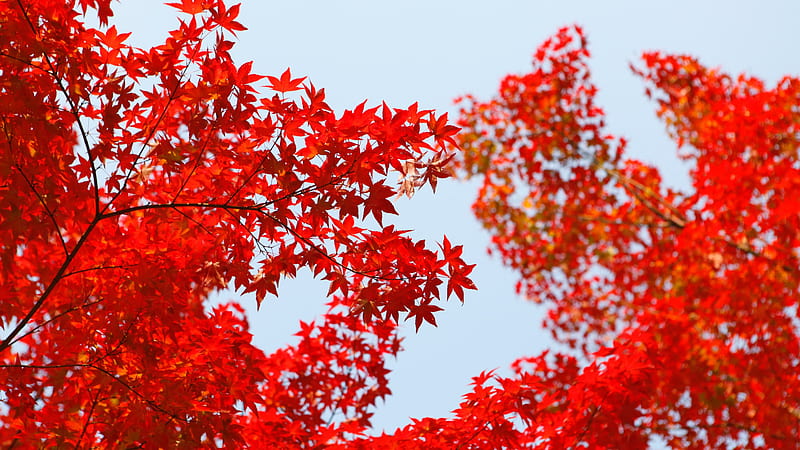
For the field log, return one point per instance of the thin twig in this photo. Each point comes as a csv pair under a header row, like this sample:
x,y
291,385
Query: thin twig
x,y
172,95
73,110
46,208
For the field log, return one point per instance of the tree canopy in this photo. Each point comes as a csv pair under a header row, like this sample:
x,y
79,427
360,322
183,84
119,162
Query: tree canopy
x,y
137,182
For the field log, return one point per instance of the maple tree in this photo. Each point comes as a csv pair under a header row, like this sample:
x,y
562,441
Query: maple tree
x,y
680,304
136,182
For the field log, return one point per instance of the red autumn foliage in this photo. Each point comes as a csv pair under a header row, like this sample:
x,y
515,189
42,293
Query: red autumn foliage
x,y
681,304
135,182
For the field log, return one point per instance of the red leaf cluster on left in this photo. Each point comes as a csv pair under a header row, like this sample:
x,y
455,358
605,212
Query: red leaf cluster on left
x,y
137,181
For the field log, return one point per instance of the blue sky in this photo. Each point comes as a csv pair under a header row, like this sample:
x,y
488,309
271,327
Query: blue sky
x,y
431,51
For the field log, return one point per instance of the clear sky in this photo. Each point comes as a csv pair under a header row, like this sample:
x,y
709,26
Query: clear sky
x,y
430,51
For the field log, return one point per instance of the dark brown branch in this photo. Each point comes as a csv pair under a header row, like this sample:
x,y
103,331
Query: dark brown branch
x,y
50,287
153,405
194,168
88,420
641,193
325,254
54,318
77,272
256,169
172,95
73,110
588,423
46,208
673,218
258,209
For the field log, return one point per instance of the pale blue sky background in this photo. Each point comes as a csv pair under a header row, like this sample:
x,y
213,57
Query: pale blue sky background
x,y
432,51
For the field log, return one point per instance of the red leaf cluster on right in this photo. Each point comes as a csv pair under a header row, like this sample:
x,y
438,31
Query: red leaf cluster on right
x,y
683,303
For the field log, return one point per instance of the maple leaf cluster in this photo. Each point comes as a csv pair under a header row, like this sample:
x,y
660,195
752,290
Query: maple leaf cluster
x,y
682,304
136,182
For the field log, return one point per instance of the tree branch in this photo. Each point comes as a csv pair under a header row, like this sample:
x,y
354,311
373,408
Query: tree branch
x,y
46,208
50,287
73,110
